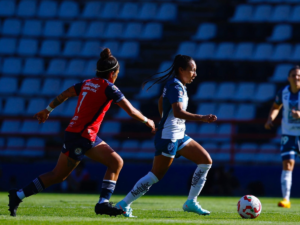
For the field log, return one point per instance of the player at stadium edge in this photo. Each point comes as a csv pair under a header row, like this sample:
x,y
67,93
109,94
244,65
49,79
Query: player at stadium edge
x,y
95,98
289,98
170,137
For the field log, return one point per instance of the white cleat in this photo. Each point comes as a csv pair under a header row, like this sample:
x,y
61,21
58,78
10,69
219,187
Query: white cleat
x,y
193,206
126,208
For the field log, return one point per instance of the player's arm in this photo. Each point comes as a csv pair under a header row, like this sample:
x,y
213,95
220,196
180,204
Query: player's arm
x,y
43,115
182,114
160,106
272,115
135,114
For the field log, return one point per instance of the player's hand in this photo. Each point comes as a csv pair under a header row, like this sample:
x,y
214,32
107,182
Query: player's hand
x,y
42,116
209,118
269,124
151,124
295,114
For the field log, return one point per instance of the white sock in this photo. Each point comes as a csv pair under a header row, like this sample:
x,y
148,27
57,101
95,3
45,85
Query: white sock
x,y
140,188
198,180
286,184
20,194
102,200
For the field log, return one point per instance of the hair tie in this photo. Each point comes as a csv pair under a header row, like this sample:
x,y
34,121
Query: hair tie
x,y
108,69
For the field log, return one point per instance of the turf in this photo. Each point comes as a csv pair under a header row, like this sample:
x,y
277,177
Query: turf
x,y
79,209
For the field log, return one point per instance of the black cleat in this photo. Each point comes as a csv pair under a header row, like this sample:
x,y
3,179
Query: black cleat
x,y
14,202
108,209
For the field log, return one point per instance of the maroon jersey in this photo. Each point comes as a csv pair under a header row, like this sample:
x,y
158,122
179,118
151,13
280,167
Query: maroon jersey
x,y
95,97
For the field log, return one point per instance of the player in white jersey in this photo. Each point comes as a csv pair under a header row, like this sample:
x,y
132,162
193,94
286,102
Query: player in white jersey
x,y
171,140
289,98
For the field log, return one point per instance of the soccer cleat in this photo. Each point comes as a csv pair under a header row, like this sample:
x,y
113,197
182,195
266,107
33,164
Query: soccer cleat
x,y
14,202
284,203
126,208
108,209
193,206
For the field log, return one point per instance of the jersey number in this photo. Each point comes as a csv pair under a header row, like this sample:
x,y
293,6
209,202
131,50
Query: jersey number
x,y
84,94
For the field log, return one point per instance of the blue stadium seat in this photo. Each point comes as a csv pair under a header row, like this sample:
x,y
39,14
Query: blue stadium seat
x,y
30,126
225,91
77,29
280,13
210,146
226,111
59,110
224,132
53,28
14,106
54,83
33,66
57,67
296,54
243,51
69,107
207,108
68,9
245,112
205,31
132,31
10,126
68,83
148,11
90,68
147,146
92,10
11,27
206,131
47,9
191,127
130,146
50,48
109,127
112,45
122,114
295,15
129,11
114,30
7,8
129,50
122,68
14,146
72,48
32,28
95,30
154,91
264,92
262,52
205,50
27,47
243,13
206,91
152,31
50,127
262,13
7,46
75,68
281,72
282,52
269,148
30,86
167,12
110,10
9,85
2,143
27,8
245,91
246,153
12,66
187,48
281,32
224,51
35,105
91,49
164,66
35,147
224,154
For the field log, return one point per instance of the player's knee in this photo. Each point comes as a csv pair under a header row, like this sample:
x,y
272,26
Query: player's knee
x,y
117,164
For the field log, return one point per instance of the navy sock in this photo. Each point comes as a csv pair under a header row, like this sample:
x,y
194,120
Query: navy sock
x,y
108,187
36,186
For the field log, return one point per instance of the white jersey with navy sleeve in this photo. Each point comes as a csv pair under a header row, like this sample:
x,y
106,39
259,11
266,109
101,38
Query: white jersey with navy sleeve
x,y
290,101
169,126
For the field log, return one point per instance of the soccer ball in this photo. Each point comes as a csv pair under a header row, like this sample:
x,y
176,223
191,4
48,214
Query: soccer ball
x,y
249,207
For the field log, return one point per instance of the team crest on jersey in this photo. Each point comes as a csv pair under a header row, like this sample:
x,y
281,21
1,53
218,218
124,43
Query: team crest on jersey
x,y
180,93
178,87
78,151
170,146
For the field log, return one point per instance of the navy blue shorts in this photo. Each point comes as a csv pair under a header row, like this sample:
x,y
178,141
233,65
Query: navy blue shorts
x,y
289,147
75,146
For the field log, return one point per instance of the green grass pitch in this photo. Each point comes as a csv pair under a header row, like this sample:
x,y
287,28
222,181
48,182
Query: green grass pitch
x,y
79,209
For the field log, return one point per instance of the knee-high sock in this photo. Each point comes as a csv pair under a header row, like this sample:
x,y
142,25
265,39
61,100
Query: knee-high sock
x,y
198,180
108,187
36,186
286,183
140,188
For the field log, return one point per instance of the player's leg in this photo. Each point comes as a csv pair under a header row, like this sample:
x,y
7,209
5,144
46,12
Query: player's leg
x,y
286,182
197,154
65,165
104,154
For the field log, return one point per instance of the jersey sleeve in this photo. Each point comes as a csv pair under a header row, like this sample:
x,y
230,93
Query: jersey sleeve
x,y
174,93
77,87
114,93
278,97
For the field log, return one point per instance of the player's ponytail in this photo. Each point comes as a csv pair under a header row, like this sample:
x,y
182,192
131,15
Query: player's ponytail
x,y
294,68
179,61
106,64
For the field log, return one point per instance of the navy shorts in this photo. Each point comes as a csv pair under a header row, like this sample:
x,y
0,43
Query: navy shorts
x,y
289,147
75,146
169,147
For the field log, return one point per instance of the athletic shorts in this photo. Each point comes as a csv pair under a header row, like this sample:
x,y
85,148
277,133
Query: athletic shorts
x,y
75,146
289,147
169,147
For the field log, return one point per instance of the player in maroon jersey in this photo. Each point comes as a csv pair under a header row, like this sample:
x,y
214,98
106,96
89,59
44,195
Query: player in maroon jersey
x,y
95,96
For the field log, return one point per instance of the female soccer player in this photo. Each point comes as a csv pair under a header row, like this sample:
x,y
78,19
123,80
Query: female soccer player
x,y
171,140
95,97
289,98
